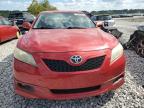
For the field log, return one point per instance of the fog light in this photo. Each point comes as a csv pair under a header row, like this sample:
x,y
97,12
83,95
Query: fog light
x,y
118,78
25,87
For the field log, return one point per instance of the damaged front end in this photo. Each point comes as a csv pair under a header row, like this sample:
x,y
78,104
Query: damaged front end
x,y
136,41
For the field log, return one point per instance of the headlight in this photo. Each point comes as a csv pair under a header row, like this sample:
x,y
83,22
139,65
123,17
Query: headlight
x,y
117,52
24,56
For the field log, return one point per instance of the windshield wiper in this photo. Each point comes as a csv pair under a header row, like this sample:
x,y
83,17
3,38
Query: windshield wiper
x,y
75,28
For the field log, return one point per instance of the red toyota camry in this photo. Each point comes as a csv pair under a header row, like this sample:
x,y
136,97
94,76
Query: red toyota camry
x,y
7,30
65,56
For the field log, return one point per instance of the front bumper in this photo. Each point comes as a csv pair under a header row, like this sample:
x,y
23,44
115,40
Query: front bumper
x,y
40,82
44,93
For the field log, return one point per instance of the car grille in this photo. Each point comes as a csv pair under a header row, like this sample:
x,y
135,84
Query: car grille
x,y
63,66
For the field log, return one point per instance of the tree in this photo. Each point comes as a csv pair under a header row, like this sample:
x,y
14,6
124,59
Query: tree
x,y
35,7
47,6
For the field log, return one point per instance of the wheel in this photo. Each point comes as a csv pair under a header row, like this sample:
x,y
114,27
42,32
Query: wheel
x,y
140,48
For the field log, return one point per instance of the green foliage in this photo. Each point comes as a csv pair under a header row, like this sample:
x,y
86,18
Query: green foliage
x,y
4,13
35,7
47,6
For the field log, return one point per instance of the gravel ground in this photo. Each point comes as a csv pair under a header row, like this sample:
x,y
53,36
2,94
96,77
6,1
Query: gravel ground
x,y
130,95
7,48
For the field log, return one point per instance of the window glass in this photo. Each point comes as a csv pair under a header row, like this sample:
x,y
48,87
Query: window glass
x,y
64,20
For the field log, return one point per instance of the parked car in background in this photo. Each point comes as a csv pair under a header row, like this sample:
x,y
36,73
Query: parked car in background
x,y
105,19
65,55
20,17
7,30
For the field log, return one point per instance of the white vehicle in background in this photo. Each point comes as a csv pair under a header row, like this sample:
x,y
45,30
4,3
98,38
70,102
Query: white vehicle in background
x,y
105,19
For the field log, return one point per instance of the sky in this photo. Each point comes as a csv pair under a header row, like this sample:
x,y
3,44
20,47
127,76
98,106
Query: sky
x,y
88,5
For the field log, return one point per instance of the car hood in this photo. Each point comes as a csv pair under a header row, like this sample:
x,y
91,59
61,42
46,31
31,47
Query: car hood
x,y
63,40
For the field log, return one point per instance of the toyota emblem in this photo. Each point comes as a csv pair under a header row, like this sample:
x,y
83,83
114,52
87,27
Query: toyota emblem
x,y
76,59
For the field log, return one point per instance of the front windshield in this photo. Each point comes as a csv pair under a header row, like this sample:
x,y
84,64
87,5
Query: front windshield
x,y
63,21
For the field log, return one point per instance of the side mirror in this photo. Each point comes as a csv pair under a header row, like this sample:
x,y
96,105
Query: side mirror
x,y
26,25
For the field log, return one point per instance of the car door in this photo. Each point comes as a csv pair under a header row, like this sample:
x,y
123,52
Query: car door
x,y
7,31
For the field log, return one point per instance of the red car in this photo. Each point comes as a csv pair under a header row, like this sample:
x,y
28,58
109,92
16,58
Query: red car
x,y
7,30
65,56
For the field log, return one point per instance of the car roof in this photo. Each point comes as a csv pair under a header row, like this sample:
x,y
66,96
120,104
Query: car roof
x,y
61,12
